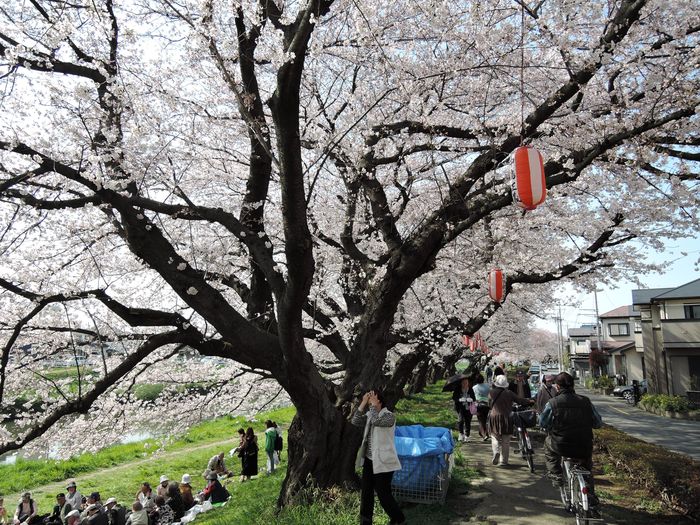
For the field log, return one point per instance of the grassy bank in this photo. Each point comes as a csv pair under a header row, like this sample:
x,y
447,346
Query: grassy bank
x,y
342,507
118,471
667,480
135,462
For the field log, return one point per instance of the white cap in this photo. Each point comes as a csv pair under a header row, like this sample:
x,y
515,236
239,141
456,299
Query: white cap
x,y
111,500
186,480
501,381
164,478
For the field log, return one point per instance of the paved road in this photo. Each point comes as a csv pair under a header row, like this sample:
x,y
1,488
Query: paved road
x,y
678,435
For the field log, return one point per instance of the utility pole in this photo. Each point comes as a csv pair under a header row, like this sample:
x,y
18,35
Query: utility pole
x,y
559,348
597,321
561,340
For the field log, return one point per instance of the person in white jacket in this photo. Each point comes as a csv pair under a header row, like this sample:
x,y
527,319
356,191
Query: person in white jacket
x,y
378,457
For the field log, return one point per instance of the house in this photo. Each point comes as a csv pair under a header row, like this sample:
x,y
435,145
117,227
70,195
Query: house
x,y
578,347
621,340
670,323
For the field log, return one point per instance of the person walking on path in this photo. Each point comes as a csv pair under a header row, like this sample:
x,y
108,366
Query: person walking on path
x,y
270,438
463,397
481,395
569,420
378,457
500,424
546,393
520,386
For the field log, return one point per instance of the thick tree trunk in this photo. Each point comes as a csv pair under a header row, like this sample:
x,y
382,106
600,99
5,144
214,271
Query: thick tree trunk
x,y
420,379
322,451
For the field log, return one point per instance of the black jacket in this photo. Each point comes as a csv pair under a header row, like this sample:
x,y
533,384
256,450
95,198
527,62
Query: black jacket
x,y
513,387
457,394
571,433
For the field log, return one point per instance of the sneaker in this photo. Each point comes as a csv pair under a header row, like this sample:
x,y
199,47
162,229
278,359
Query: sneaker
x,y
503,464
495,459
486,438
466,439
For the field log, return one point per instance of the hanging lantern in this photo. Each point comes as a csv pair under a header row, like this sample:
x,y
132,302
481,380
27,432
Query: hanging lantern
x,y
496,288
530,188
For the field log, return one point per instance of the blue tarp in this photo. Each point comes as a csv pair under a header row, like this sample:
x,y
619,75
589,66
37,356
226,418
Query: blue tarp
x,y
423,454
417,441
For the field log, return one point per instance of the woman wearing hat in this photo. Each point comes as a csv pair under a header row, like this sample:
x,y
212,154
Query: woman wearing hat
x,y
214,491
186,492
163,486
500,425
73,498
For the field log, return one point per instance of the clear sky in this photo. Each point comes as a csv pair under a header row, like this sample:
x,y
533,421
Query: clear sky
x,y
679,269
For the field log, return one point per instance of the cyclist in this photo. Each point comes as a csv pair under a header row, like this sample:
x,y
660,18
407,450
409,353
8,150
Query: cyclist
x,y
569,420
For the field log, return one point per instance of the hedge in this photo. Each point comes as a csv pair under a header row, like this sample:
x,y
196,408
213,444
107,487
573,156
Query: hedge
x,y
666,402
673,477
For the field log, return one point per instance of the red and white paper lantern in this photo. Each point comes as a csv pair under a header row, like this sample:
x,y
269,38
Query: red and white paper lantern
x,y
496,285
530,187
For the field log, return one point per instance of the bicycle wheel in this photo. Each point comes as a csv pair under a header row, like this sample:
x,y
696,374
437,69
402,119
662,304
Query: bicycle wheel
x,y
522,445
530,461
579,494
629,397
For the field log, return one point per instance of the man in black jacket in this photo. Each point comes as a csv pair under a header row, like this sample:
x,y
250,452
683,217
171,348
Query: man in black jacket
x,y
569,420
62,507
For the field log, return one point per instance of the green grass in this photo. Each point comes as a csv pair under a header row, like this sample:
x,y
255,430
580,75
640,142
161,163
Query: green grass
x,y
431,408
342,507
57,374
27,474
253,502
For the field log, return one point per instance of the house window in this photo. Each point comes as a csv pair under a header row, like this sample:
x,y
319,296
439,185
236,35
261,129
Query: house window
x,y
637,327
692,311
618,329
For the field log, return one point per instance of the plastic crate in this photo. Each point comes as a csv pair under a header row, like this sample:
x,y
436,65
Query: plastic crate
x,y
423,479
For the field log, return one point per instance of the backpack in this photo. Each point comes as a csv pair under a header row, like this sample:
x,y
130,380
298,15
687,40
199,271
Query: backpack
x,y
278,443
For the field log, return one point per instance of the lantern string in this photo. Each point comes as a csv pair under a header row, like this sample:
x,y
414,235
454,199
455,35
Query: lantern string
x,y
522,72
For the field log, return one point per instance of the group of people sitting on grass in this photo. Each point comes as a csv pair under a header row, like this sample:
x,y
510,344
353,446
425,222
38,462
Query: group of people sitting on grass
x,y
167,504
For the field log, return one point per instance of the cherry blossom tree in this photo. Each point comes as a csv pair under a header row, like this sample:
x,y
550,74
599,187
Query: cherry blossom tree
x,y
315,190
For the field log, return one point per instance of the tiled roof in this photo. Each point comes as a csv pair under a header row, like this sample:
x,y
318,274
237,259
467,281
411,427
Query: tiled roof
x,y
689,290
622,311
645,295
581,332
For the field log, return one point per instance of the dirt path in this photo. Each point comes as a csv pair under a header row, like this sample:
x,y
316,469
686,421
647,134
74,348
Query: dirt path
x,y
508,495
85,479
513,496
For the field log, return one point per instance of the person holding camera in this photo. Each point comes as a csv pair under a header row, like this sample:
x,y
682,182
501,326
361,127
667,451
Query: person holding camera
x,y
377,456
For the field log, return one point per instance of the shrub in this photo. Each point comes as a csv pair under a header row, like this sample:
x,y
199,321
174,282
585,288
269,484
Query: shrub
x,y
666,402
605,382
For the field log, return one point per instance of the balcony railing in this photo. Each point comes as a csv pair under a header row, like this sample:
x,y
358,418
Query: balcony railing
x,y
681,332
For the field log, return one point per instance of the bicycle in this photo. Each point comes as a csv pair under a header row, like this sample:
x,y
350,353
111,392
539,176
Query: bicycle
x,y
521,418
574,492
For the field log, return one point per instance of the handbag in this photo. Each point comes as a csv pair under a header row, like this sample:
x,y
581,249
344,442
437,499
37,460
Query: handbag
x,y
472,409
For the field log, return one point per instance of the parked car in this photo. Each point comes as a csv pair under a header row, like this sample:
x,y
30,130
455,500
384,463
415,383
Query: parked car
x,y
626,390
534,381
